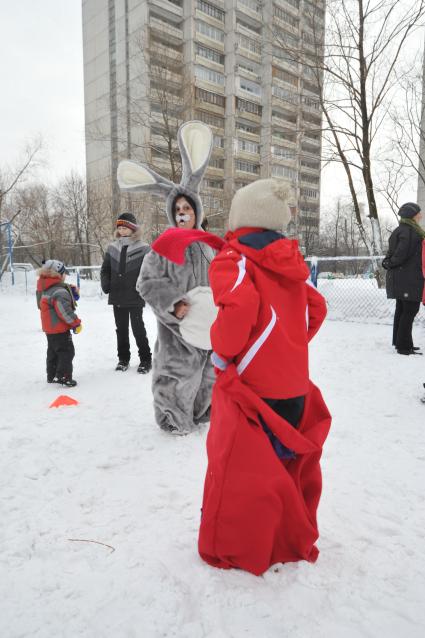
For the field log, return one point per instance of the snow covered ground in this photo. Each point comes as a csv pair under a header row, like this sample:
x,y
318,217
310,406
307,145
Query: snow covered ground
x,y
102,471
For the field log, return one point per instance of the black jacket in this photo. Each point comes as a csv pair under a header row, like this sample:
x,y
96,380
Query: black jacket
x,y
404,264
120,270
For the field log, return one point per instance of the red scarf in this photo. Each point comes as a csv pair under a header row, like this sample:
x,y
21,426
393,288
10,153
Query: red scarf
x,y
173,242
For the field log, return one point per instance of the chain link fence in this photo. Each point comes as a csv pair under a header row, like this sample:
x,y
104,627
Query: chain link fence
x,y
351,290
347,283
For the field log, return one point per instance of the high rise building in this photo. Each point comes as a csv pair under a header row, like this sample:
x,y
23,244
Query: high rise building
x,y
247,68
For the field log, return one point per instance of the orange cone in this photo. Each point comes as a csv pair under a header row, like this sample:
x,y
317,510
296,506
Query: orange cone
x,y
63,399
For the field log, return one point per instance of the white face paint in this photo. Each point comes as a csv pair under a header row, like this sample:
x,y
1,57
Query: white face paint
x,y
182,218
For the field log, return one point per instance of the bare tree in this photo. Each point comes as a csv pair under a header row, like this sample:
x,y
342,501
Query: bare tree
x,y
12,177
355,72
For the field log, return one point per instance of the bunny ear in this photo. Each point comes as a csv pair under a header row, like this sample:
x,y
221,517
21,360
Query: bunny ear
x,y
195,142
136,177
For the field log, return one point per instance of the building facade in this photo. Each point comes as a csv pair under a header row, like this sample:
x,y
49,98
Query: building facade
x,y
247,68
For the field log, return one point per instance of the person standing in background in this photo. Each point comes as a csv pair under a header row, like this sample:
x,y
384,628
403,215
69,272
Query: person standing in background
x,y
118,276
405,279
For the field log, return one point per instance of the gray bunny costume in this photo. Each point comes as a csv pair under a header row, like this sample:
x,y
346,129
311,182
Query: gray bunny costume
x,y
182,373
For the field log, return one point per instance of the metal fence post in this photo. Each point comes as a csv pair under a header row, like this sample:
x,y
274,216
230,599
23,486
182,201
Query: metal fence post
x,y
314,268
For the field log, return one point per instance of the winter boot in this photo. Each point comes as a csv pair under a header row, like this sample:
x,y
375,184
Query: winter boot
x,y
144,367
122,366
52,379
67,381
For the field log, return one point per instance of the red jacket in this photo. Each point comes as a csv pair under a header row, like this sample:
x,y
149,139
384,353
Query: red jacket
x,y
56,304
267,312
423,269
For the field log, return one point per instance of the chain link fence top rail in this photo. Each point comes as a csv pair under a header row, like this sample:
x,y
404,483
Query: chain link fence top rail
x,y
351,290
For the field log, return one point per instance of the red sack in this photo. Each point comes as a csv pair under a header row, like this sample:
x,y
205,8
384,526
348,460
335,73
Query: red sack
x,y
258,510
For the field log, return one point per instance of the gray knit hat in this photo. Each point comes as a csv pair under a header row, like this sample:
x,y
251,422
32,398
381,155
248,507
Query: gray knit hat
x,y
409,210
264,203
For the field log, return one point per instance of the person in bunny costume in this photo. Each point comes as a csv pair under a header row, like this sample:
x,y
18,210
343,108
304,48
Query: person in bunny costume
x,y
179,294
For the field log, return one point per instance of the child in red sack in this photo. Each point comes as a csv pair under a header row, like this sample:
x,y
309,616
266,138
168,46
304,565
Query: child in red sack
x,y
268,420
57,302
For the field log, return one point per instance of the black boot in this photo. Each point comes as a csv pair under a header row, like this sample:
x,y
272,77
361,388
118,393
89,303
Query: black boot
x,y
122,366
144,367
67,381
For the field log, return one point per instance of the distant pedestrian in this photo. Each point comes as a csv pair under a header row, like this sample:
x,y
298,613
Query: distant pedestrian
x,y
405,278
57,302
118,276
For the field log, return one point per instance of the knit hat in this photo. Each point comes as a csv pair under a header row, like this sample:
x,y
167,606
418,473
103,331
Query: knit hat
x,y
264,203
54,264
409,210
127,220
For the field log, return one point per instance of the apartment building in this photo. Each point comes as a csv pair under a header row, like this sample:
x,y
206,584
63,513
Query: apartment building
x,y
247,68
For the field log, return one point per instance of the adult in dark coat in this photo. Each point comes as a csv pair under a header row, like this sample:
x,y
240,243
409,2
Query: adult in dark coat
x,y
405,280
118,276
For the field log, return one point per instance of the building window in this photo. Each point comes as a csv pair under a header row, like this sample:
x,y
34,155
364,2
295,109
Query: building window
x,y
285,16
285,56
248,167
213,183
285,76
287,117
284,94
247,146
209,54
310,179
283,152
308,192
310,102
218,141
210,119
208,96
209,31
249,44
216,162
255,31
251,4
247,128
210,10
208,75
284,171
250,87
249,107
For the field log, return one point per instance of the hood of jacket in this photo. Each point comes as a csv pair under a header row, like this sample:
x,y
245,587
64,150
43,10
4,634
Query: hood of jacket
x,y
43,283
270,250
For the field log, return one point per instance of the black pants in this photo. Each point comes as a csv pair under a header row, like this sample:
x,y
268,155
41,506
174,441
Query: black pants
x,y
60,353
122,317
405,312
289,409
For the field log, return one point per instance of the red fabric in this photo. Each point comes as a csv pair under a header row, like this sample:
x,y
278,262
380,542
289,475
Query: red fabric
x,y
172,243
423,269
258,510
52,321
271,283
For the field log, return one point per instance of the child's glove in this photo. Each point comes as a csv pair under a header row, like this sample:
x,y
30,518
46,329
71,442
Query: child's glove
x,y
77,329
75,292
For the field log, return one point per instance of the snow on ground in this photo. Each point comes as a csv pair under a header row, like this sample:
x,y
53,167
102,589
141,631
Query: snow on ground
x,y
102,471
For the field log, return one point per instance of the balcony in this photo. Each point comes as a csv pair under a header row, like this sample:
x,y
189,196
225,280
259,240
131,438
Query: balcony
x,y
164,28
170,7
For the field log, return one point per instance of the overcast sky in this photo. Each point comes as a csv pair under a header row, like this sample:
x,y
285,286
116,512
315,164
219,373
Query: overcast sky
x,y
42,91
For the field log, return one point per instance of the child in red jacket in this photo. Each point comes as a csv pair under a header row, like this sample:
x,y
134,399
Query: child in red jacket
x,y
268,420
57,301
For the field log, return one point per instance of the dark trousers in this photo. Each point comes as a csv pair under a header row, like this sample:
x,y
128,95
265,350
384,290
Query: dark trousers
x,y
405,312
60,353
289,409
122,317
